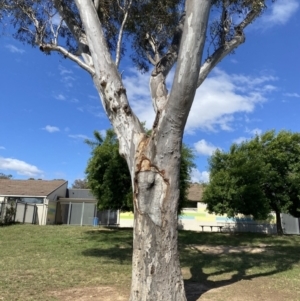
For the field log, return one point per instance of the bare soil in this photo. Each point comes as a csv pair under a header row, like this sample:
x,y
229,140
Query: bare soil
x,y
259,289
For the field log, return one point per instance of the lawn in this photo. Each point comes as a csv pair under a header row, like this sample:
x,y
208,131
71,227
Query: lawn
x,y
85,263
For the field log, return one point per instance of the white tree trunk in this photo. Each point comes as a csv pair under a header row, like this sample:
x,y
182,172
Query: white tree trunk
x,y
154,161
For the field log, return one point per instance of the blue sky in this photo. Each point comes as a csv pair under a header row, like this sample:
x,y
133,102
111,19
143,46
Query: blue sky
x,y
48,105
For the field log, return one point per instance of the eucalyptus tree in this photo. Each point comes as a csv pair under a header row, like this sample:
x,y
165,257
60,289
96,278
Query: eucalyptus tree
x,y
160,34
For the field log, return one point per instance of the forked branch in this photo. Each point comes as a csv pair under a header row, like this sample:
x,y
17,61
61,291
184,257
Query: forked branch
x,y
51,47
159,92
228,46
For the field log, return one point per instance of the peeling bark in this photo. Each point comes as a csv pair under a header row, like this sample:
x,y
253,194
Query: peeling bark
x,y
154,161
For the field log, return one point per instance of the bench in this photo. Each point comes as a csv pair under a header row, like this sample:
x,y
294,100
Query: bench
x,y
211,227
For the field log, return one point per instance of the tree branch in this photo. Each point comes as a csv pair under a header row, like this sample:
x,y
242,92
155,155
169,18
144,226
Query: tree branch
x,y
72,24
188,64
49,47
119,44
76,30
159,93
227,47
109,85
97,4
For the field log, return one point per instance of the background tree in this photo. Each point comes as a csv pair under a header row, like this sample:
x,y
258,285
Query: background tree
x,y
164,34
109,179
4,176
256,178
80,184
107,173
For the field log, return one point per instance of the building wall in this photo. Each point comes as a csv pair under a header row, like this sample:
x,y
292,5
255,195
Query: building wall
x,y
81,194
51,204
59,192
198,219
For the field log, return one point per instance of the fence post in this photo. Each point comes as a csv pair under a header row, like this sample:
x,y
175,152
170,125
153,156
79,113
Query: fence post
x,y
108,217
69,213
34,214
24,215
16,211
82,211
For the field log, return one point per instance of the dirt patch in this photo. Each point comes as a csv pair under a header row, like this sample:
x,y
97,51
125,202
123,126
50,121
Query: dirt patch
x,y
258,289
100,293
207,249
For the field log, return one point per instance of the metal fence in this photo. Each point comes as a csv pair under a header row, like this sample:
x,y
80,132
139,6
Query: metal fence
x,y
24,212
84,214
249,227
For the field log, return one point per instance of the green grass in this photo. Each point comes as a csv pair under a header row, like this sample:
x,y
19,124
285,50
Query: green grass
x,y
36,260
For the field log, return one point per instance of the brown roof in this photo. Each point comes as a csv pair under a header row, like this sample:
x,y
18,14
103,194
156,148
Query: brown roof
x,y
195,192
29,187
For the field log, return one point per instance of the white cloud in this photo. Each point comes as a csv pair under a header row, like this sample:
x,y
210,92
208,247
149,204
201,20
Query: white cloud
x,y
14,49
223,95
63,70
51,129
280,12
56,19
216,103
254,132
66,77
96,111
138,93
68,81
60,97
21,167
79,136
93,97
240,140
2,147
199,176
292,95
204,148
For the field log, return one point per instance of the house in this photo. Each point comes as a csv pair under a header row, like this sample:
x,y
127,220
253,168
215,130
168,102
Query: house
x,y
34,200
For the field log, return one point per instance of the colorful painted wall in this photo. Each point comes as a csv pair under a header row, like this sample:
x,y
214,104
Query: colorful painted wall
x,y
198,219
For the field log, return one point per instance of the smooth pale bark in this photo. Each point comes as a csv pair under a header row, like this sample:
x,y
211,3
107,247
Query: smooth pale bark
x,y
154,161
156,273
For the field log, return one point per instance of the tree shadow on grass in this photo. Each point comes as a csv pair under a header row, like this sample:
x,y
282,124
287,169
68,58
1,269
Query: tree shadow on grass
x,y
227,268
208,271
117,253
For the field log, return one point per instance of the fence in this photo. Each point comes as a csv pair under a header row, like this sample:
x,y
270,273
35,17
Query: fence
x,y
249,227
24,212
84,214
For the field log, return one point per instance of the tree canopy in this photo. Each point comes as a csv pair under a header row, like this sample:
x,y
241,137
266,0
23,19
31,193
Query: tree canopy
x,y
152,28
5,176
109,179
256,177
80,184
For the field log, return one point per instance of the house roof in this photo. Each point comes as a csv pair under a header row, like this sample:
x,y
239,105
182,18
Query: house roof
x,y
195,192
29,187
